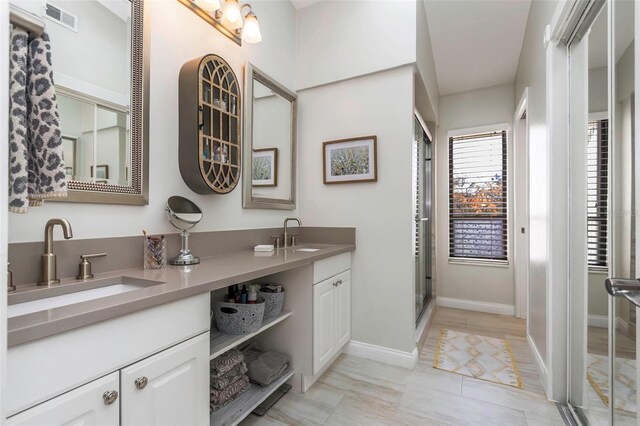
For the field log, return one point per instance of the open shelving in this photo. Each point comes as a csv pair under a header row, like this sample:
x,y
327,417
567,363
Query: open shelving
x,y
240,408
221,342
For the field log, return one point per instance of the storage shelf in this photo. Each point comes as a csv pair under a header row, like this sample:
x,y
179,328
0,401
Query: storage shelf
x,y
221,342
236,411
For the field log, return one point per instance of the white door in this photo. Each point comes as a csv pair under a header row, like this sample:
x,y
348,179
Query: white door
x,y
323,323
95,404
343,309
169,388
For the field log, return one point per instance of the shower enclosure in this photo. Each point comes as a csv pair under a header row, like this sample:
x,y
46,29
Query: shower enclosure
x,y
423,218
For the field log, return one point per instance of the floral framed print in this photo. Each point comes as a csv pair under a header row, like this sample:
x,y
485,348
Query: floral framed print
x,y
350,160
265,167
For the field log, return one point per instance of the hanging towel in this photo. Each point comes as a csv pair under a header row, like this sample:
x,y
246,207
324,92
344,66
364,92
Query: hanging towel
x,y
18,149
33,93
47,177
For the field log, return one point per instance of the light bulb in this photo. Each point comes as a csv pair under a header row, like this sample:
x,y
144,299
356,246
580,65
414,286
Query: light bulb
x,y
251,30
231,17
208,5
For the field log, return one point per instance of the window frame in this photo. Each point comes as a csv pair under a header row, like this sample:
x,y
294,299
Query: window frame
x,y
479,261
600,116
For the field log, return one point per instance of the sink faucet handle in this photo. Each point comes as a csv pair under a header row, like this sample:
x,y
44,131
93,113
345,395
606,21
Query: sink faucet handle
x,y
278,243
84,269
294,239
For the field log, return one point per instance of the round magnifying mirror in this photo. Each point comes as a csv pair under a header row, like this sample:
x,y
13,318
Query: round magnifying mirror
x,y
183,214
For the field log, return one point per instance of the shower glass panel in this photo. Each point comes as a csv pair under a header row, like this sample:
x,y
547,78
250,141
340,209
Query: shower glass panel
x,y
624,229
423,219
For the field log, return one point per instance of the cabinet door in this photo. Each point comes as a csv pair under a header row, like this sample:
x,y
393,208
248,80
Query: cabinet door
x,y
343,309
88,405
323,323
169,388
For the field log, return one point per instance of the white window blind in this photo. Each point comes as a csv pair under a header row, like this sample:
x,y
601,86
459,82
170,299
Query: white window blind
x,y
478,197
597,191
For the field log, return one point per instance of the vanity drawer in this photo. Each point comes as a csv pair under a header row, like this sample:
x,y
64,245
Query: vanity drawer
x,y
327,268
45,368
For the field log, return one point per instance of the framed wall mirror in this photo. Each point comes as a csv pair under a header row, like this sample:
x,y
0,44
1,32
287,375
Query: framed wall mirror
x,y
101,75
269,175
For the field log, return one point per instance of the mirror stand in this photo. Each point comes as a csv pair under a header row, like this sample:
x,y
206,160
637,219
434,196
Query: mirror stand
x,y
185,257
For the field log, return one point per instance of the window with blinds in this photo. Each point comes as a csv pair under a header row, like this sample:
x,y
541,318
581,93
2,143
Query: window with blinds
x,y
478,197
597,191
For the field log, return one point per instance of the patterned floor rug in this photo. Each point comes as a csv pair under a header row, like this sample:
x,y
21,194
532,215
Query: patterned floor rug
x,y
481,357
598,374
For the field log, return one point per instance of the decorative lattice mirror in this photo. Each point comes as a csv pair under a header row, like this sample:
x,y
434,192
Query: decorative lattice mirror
x,y
210,118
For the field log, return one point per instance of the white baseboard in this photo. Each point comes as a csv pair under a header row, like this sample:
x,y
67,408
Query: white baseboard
x,y
601,321
382,354
472,305
542,368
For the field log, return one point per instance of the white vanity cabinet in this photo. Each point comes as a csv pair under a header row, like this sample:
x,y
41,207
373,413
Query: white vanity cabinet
x,y
157,359
95,404
331,308
169,388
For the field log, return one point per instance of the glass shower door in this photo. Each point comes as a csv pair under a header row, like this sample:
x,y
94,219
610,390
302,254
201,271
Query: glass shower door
x,y
624,226
423,218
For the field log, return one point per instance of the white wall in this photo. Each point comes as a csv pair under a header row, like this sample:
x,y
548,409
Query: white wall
x,y
338,40
383,283
478,283
426,66
532,73
101,37
178,35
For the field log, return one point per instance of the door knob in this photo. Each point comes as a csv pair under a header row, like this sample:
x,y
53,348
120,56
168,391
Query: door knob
x,y
141,382
109,397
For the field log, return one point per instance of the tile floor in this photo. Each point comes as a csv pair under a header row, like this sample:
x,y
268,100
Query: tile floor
x,y
357,391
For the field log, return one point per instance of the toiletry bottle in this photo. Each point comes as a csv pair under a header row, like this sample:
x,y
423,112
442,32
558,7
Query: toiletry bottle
x,y
244,294
230,296
252,298
237,295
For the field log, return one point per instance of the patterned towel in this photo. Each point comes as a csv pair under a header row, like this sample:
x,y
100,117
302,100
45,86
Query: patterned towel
x,y
219,383
18,152
36,155
225,362
221,398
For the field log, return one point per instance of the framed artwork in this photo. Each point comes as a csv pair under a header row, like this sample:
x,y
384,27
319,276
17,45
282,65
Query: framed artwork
x,y
264,170
102,171
350,160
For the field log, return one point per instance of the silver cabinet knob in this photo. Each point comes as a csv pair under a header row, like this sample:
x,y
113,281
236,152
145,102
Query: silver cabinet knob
x,y
109,397
141,382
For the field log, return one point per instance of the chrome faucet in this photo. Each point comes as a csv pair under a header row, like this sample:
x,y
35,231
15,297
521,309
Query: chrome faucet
x,y
286,233
49,273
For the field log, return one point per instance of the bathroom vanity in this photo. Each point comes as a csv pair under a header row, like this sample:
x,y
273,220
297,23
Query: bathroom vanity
x,y
142,355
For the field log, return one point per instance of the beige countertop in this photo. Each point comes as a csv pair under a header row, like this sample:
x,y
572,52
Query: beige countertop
x,y
175,283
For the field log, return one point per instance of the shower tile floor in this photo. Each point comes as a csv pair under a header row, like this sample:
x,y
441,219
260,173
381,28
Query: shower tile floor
x,y
357,391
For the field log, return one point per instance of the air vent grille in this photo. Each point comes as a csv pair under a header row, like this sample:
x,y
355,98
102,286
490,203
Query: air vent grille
x,y
61,16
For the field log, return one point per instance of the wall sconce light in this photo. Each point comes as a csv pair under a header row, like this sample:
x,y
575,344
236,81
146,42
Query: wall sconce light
x,y
227,18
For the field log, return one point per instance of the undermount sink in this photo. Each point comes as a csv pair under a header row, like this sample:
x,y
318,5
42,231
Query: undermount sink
x,y
99,289
307,249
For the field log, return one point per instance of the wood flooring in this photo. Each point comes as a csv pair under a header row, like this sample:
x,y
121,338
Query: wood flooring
x,y
358,391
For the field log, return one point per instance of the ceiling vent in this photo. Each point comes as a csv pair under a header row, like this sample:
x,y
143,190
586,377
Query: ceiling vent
x,y
60,16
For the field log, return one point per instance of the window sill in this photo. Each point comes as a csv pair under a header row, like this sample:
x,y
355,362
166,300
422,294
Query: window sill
x,y
480,262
